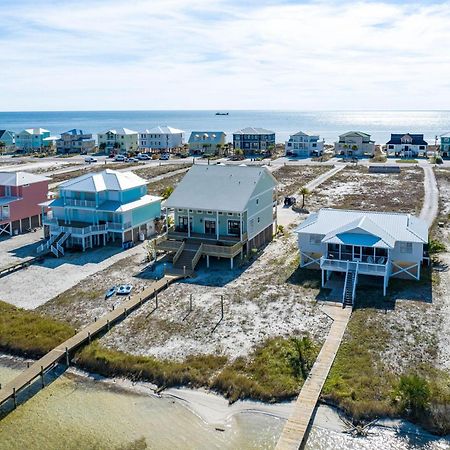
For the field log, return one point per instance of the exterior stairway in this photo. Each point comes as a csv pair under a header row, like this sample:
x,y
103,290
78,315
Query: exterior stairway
x,y
186,257
348,296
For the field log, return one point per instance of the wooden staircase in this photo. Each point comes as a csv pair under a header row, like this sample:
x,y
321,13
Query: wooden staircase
x,y
187,258
348,296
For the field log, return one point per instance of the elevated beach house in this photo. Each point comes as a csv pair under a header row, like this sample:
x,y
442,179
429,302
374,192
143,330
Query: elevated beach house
x,y
354,143
445,145
100,207
20,196
355,243
33,139
254,140
161,138
303,145
207,142
7,140
118,140
75,141
406,145
220,211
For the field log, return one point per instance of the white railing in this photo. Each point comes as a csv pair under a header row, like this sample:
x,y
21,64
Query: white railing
x,y
355,282
363,267
77,202
78,231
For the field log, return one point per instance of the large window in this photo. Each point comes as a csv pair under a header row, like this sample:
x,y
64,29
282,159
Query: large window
x,y
405,247
234,227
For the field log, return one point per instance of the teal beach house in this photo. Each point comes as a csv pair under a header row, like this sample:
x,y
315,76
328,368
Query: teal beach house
x,y
97,208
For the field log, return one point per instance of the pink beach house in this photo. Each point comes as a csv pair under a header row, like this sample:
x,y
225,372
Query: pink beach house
x,y
20,195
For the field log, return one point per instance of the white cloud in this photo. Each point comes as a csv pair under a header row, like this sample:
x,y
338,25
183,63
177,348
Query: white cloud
x,y
175,54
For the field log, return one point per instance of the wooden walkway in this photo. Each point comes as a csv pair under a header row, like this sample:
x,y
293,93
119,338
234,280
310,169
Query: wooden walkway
x,y
63,350
18,266
294,431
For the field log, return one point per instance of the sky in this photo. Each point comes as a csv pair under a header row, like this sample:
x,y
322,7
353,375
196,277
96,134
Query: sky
x,y
224,55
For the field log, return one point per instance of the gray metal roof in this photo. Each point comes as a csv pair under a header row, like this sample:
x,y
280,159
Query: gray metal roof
x,y
218,187
389,227
252,130
20,178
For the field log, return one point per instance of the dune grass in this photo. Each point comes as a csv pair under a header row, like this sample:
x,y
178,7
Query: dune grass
x,y
28,333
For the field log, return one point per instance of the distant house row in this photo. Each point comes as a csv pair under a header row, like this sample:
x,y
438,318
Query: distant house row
x,y
357,143
206,142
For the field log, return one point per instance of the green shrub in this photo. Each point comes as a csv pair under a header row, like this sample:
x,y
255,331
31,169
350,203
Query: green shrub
x,y
413,394
435,246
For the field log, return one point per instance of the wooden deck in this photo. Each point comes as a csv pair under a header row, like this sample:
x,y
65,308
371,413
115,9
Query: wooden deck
x,y
63,351
294,432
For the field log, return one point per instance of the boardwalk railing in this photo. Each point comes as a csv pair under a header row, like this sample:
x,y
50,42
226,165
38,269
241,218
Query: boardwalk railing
x,y
63,350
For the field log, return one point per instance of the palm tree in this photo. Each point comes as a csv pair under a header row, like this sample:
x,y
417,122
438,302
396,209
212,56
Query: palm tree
x,y
2,147
304,192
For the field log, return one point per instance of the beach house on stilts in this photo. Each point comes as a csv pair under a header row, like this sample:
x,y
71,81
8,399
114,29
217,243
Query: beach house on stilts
x,y
355,243
221,212
100,207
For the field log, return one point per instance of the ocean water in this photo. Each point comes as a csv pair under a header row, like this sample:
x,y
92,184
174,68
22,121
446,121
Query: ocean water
x,y
328,124
76,412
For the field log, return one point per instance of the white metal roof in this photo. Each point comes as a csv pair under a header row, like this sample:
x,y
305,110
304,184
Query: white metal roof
x,y
120,131
108,180
20,178
218,188
389,227
164,130
35,131
252,130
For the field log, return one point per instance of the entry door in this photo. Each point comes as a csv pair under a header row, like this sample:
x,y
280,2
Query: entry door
x,y
210,227
182,223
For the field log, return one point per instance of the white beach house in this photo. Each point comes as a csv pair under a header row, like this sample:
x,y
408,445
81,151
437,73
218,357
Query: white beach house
x,y
303,145
407,145
362,243
161,138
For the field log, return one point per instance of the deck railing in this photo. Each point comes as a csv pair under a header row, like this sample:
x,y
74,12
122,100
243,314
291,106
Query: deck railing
x,y
226,251
178,252
77,202
197,256
344,265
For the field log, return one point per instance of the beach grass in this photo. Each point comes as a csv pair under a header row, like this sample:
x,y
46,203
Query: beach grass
x,y
28,333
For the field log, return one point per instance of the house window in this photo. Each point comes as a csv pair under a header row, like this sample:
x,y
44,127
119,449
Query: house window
x,y
405,247
234,227
258,219
230,214
391,147
257,201
315,239
421,147
209,212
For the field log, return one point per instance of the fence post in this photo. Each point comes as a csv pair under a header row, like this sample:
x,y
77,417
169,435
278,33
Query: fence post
x,y
107,323
67,357
89,337
42,376
14,397
221,306
190,303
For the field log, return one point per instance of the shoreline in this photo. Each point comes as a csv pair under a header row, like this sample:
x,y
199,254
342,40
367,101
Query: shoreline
x,y
214,409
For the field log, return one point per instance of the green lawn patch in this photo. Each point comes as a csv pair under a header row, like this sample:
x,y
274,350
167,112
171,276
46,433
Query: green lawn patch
x,y
28,333
410,161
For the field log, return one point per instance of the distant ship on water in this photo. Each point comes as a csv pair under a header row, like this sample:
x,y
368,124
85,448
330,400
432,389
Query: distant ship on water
x,y
222,114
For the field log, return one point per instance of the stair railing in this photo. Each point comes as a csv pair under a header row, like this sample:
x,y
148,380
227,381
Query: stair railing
x,y
178,252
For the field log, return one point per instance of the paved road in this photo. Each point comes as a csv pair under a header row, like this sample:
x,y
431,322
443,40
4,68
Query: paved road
x,y
430,206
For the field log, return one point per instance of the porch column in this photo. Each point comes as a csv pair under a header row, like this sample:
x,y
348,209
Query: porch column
x,y
340,252
167,221
207,261
323,278
418,271
385,285
240,227
217,225
189,224
231,262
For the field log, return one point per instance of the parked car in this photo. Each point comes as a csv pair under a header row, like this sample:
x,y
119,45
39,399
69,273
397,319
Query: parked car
x,y
124,289
90,159
120,158
110,292
143,157
132,160
289,201
164,157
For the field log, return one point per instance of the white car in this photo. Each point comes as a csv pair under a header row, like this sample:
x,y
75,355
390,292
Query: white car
x,y
143,157
124,289
90,159
164,157
120,158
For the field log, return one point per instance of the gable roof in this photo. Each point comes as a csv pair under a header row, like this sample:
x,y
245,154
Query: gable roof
x,y
388,227
218,188
20,178
252,130
163,130
34,131
75,132
107,180
355,133
3,132
123,131
417,139
211,137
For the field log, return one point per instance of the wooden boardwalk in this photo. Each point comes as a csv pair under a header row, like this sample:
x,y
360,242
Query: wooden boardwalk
x,y
63,350
294,431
